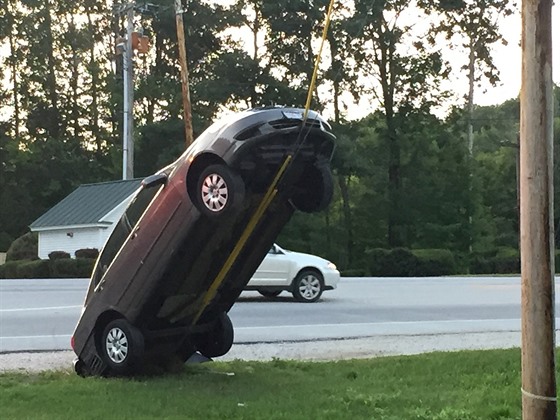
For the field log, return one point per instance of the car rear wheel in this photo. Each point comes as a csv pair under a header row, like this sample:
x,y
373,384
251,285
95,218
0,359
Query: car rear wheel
x,y
218,340
314,189
219,191
308,286
269,293
122,346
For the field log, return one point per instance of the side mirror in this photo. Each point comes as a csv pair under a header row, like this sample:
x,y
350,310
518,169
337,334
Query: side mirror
x,y
154,180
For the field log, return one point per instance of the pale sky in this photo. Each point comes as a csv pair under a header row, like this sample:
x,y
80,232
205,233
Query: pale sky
x,y
508,60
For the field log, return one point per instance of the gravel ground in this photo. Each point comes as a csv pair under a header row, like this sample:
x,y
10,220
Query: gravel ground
x,y
313,350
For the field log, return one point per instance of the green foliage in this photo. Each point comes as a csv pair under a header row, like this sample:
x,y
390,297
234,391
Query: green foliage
x,y
401,262
64,268
58,255
38,269
5,241
42,269
87,253
84,267
498,261
434,262
23,248
9,269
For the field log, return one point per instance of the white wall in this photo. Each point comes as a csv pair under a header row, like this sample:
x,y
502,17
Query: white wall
x,y
72,239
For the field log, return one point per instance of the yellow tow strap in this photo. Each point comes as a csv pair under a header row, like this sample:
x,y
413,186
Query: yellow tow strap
x,y
270,194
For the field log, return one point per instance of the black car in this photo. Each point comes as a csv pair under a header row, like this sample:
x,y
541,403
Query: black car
x,y
194,234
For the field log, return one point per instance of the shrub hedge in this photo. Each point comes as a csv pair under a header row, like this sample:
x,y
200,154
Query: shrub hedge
x,y
380,262
87,253
402,262
58,255
35,269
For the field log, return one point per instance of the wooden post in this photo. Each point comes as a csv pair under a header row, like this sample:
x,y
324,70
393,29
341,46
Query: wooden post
x,y
187,112
538,380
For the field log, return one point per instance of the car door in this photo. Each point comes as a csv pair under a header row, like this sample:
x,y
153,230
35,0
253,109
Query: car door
x,y
274,270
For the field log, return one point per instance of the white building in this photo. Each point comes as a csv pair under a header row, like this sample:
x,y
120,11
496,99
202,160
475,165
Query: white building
x,y
85,218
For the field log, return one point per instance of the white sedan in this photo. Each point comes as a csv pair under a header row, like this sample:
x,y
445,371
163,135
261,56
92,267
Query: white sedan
x,y
306,276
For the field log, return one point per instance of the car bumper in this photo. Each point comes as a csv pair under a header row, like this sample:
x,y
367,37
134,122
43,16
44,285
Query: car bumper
x,y
331,279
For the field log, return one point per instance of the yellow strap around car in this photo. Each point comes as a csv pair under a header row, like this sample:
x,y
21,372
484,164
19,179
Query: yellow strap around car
x,y
267,199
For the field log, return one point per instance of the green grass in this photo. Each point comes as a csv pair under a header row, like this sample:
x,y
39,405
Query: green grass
x,y
443,386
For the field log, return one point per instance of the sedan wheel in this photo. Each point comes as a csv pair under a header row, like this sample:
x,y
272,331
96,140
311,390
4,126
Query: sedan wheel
x,y
219,190
218,340
122,345
308,286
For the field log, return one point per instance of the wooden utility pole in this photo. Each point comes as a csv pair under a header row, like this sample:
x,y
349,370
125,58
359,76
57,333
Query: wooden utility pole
x,y
187,112
128,97
538,382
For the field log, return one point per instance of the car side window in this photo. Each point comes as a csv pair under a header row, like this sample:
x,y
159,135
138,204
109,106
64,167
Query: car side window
x,y
122,229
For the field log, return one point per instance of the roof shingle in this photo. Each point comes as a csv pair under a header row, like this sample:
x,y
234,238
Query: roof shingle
x,y
87,204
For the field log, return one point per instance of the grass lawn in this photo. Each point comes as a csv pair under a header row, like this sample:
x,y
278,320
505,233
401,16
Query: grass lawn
x,y
459,385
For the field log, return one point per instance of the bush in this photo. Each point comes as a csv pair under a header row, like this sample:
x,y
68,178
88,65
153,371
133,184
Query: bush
x,y
5,241
24,248
401,262
87,253
63,268
58,255
499,261
375,259
69,268
10,270
434,262
38,269
507,261
84,267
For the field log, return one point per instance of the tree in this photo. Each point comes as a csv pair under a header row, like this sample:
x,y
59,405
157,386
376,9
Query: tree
x,y
404,74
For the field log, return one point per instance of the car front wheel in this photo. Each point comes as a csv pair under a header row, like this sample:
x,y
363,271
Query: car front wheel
x,y
308,286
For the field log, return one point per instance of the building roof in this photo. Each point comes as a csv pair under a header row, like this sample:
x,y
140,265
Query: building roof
x,y
87,204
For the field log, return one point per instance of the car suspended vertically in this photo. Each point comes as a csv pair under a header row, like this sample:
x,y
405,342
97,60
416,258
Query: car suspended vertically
x,y
193,236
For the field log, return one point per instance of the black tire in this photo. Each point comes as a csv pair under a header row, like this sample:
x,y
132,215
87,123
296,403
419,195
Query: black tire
x,y
219,191
122,346
269,293
314,189
308,286
218,340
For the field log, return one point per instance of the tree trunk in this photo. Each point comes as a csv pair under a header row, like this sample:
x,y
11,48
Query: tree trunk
x,y
94,70
14,71
51,88
343,182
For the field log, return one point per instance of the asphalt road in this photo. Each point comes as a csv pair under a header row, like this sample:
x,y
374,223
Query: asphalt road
x,y
41,314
